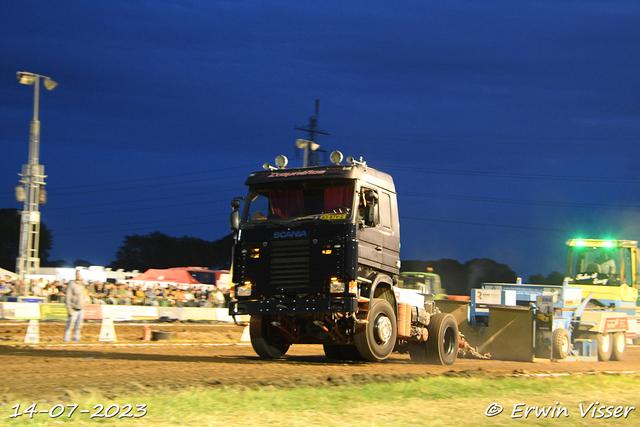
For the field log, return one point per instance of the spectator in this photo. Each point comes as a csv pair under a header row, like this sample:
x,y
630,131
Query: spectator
x,y
178,296
77,297
100,292
51,292
20,288
169,297
124,297
226,293
111,293
151,296
138,295
92,289
219,298
128,294
5,290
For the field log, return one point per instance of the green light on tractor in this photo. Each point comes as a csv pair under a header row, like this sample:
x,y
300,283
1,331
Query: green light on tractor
x,y
595,243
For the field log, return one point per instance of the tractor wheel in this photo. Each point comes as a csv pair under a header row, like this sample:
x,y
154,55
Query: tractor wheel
x,y
266,339
605,347
441,347
561,343
619,346
377,340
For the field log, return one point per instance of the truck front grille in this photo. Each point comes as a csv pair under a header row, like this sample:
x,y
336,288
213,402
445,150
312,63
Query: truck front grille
x,y
290,264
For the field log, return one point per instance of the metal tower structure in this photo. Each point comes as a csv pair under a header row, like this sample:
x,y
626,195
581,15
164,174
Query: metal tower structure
x,y
309,145
31,191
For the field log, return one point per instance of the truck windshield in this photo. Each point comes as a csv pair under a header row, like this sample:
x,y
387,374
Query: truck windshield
x,y
313,200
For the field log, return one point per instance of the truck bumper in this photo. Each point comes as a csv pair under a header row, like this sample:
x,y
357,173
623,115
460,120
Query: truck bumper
x,y
294,306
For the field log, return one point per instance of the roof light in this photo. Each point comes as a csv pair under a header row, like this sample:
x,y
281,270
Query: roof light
x,y
281,161
336,157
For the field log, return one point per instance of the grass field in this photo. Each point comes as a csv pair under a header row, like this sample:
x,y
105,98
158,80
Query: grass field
x,y
434,401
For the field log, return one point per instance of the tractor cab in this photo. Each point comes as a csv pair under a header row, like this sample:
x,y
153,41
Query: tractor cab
x,y
608,268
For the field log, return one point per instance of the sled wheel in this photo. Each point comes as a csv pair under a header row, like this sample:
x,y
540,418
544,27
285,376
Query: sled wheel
x,y
619,346
561,343
605,347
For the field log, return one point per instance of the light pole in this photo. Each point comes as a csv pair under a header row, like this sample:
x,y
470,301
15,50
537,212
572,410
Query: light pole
x,y
31,190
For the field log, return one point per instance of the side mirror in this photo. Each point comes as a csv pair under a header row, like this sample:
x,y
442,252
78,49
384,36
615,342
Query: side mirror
x,y
234,220
371,208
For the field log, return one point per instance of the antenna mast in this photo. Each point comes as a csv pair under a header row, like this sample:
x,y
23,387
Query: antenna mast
x,y
311,159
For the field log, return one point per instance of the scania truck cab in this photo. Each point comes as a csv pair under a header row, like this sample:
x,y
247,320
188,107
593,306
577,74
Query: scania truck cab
x,y
316,259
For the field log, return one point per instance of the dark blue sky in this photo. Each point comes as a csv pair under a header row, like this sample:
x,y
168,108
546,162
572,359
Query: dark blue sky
x,y
509,126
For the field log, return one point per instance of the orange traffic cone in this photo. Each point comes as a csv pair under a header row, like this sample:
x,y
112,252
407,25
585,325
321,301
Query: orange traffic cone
x,y
146,336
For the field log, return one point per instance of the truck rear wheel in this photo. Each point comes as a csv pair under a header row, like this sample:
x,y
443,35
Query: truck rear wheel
x,y
605,347
618,346
441,347
266,339
561,343
377,340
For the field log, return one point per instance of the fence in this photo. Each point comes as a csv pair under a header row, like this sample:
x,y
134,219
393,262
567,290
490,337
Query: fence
x,y
39,310
161,302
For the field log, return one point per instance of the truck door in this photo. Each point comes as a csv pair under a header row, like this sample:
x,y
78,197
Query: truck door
x,y
368,232
389,232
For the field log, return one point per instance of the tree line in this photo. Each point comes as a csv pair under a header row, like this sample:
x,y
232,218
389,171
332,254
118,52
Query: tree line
x,y
158,250
138,252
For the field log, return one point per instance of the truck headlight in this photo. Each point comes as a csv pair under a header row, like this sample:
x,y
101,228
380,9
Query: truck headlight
x,y
337,286
244,290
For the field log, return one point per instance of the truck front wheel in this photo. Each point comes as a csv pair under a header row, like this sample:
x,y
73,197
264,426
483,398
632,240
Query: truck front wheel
x,y
442,345
377,340
266,339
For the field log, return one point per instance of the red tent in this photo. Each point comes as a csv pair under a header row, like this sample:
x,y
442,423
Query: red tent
x,y
181,277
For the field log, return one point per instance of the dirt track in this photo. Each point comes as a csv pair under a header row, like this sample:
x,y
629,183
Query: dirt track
x,y
209,356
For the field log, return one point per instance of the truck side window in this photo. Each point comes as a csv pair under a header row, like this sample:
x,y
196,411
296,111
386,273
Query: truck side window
x,y
385,207
258,208
368,207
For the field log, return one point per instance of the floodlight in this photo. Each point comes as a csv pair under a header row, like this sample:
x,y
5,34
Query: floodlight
x,y
26,78
281,161
336,157
305,143
49,84
302,143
